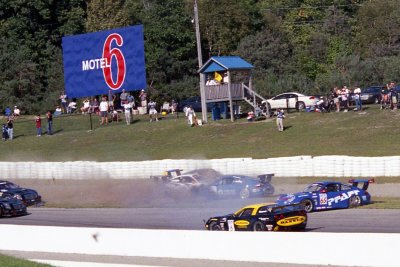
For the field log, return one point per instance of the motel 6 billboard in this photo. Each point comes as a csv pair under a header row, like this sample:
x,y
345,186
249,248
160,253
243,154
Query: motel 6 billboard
x,y
95,63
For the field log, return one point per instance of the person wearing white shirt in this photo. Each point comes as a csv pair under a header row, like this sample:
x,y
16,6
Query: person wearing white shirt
x,y
127,108
104,110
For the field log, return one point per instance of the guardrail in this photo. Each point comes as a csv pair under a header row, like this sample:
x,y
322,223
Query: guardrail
x,y
299,166
350,249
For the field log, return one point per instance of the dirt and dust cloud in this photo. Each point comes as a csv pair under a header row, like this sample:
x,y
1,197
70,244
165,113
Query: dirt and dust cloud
x,y
147,193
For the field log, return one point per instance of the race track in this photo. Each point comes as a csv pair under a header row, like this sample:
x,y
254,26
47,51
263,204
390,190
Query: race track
x,y
189,215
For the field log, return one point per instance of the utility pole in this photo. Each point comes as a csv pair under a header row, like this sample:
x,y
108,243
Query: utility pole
x,y
200,59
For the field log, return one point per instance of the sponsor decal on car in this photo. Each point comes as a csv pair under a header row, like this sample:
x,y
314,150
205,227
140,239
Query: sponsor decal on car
x,y
343,197
290,221
323,199
242,223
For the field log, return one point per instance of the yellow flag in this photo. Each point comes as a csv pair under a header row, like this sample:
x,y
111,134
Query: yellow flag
x,y
217,77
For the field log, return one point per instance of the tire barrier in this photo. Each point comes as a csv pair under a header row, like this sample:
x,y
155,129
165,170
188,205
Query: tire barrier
x,y
299,166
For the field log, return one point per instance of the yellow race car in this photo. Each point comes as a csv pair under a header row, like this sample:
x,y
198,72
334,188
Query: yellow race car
x,y
261,217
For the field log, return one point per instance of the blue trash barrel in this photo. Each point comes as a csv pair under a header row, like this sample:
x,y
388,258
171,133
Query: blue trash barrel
x,y
216,113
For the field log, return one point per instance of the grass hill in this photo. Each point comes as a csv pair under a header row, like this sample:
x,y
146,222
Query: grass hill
x,y
373,132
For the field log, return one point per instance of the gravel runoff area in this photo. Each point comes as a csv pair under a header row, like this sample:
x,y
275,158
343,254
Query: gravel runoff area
x,y
145,192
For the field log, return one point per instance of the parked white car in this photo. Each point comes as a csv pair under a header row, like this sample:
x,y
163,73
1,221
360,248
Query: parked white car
x,y
292,100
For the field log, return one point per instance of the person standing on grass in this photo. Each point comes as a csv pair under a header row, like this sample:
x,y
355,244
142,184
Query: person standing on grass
x,y
10,127
104,110
38,121
279,119
49,123
127,108
153,110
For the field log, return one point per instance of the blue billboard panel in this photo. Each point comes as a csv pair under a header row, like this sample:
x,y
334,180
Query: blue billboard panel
x,y
95,63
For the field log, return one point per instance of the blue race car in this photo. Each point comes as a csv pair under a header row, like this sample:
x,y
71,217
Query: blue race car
x,y
242,186
330,195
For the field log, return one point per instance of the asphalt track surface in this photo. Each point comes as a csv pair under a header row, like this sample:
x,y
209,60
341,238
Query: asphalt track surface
x,y
189,215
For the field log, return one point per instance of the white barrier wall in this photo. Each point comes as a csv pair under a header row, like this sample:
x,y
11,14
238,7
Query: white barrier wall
x,y
323,166
349,249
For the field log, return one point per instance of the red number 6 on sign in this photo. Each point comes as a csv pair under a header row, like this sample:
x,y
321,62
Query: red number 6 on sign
x,y
110,54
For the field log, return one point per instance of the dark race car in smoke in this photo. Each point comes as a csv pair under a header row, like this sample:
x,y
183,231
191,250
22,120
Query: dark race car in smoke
x,y
242,186
28,196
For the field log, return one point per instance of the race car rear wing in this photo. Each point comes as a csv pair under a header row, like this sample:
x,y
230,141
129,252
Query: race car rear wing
x,y
364,183
265,177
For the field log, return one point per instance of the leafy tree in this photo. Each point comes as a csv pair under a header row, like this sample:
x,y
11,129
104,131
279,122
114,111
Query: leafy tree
x,y
106,14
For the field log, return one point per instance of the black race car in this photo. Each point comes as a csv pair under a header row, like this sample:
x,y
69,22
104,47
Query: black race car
x,y
261,217
11,207
28,196
242,186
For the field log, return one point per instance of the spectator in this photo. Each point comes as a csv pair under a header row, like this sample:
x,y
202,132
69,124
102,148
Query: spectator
x,y
63,102
143,98
174,107
111,100
127,111
152,110
7,112
104,110
38,121
72,106
279,119
191,116
123,97
211,81
16,112
344,96
4,132
226,78
393,96
357,99
131,100
250,116
49,123
58,111
95,106
10,127
338,100
86,106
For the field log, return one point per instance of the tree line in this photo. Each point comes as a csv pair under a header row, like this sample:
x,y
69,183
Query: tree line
x,y
308,46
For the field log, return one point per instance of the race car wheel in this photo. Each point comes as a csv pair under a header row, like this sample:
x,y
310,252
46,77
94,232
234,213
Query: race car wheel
x,y
214,226
354,201
258,226
244,193
308,205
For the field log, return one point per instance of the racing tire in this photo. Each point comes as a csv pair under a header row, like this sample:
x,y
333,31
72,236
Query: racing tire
x,y
244,193
214,226
354,202
300,106
258,226
308,205
270,191
302,226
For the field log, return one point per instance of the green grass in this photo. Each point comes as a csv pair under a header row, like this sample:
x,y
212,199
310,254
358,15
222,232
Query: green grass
x,y
384,203
8,261
371,133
